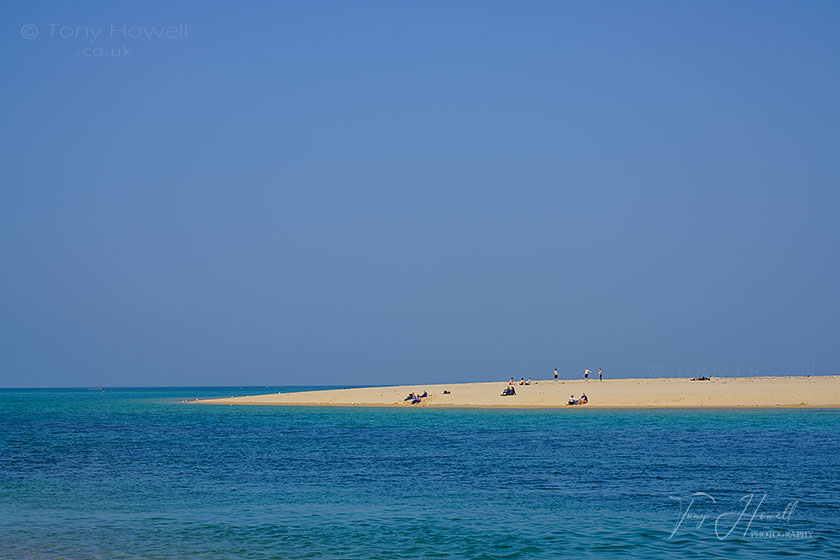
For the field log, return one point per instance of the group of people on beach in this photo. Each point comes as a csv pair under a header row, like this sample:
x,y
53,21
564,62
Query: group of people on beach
x,y
582,400
510,390
415,399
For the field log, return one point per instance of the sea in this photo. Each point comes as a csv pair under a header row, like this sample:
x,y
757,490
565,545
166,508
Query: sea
x,y
143,473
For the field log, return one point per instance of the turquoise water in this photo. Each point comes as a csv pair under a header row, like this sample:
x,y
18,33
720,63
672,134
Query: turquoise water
x,y
135,473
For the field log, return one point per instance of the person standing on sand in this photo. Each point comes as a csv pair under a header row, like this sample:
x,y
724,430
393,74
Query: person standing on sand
x,y
586,373
555,375
600,375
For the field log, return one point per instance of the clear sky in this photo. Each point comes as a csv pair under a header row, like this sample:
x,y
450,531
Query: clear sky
x,y
394,192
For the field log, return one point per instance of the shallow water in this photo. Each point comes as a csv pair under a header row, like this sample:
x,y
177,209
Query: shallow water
x,y
136,473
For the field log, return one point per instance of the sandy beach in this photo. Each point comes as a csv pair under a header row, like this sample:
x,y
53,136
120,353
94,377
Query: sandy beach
x,y
728,392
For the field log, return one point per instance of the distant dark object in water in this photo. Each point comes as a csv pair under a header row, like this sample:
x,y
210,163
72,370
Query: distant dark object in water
x,y
704,378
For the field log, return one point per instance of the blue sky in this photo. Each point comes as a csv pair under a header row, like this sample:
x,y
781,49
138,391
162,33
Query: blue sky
x,y
393,192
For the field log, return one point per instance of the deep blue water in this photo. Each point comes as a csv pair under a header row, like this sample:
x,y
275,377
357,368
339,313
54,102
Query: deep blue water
x,y
135,473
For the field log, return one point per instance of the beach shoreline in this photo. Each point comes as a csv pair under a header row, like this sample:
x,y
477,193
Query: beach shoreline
x,y
632,393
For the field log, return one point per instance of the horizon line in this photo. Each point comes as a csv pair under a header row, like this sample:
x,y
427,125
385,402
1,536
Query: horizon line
x,y
94,387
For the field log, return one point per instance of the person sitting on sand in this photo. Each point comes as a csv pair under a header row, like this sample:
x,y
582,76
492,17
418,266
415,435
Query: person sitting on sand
x,y
528,382
409,397
583,399
508,391
424,395
572,399
416,400
511,381
522,381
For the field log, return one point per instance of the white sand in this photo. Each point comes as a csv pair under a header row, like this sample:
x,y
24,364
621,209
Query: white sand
x,y
816,391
